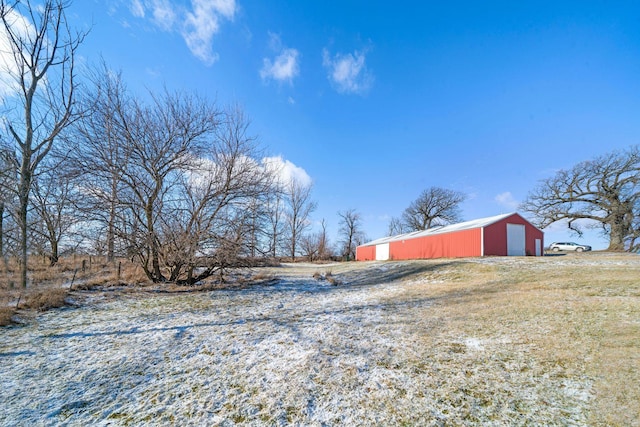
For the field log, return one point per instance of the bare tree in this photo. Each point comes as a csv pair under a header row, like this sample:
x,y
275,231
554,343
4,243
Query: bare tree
x,y
396,226
324,251
54,210
300,206
162,140
435,206
274,222
97,151
177,181
310,246
350,230
42,51
315,246
605,191
213,226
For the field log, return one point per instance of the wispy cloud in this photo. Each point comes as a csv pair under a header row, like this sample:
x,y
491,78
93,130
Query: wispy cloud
x,y
284,66
507,200
137,9
197,24
348,72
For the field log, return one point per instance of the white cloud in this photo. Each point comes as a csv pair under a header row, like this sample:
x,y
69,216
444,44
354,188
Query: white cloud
x,y
284,67
507,200
348,72
8,67
286,170
204,170
197,25
203,23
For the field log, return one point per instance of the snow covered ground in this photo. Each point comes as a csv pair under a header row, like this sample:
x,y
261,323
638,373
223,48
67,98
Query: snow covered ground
x,y
301,352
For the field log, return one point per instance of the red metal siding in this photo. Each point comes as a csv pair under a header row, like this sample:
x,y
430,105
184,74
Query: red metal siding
x,y
465,243
365,253
495,236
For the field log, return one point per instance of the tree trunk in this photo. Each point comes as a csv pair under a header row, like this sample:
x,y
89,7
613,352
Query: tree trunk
x,y
153,243
110,241
53,258
23,197
111,247
617,235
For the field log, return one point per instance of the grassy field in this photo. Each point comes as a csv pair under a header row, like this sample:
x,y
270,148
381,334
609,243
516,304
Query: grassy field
x,y
490,341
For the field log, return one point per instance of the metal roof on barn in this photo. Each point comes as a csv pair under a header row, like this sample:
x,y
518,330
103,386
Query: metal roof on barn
x,y
467,225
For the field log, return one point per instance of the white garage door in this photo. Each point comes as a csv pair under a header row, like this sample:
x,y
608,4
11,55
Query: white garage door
x,y
515,240
382,252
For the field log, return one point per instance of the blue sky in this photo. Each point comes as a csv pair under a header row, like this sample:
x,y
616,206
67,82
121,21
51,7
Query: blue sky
x,y
377,101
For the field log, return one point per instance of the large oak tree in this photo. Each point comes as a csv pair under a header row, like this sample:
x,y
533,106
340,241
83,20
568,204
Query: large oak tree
x,y
435,206
605,190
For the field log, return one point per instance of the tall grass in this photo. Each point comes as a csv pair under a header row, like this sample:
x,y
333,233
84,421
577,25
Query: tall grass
x,y
48,285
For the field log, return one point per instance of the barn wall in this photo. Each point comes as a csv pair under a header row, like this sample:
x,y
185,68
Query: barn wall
x,y
365,253
495,236
464,243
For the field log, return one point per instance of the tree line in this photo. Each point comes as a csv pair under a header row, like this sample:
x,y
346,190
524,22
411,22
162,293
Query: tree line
x,y
172,180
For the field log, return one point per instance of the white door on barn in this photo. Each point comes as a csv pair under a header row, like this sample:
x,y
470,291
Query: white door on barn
x,y
515,240
382,252
538,247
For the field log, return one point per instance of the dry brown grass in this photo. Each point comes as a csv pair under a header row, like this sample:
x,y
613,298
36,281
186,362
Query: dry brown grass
x,y
132,274
49,285
6,314
575,322
46,299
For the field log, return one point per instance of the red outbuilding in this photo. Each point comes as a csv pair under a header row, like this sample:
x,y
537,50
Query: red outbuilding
x,y
501,235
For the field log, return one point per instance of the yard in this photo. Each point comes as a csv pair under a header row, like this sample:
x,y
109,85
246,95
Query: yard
x,y
483,341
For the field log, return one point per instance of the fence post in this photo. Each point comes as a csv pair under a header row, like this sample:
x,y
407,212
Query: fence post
x,y
74,278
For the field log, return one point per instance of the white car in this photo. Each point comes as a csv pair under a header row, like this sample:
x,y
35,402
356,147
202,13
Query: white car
x,y
568,246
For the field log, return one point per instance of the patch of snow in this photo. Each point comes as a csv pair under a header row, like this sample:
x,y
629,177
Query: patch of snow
x,y
473,343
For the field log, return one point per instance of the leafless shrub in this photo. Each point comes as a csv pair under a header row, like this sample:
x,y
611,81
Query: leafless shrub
x,y
328,276
331,279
